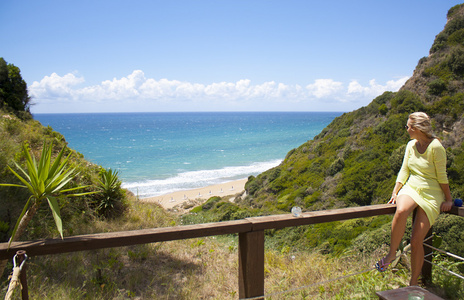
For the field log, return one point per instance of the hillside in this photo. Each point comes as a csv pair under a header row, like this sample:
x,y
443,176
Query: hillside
x,y
354,161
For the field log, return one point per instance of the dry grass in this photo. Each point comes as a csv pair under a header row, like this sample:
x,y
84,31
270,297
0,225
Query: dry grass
x,y
203,268
199,269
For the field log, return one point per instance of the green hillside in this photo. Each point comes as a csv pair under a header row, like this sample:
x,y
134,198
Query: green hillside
x,y
355,160
18,130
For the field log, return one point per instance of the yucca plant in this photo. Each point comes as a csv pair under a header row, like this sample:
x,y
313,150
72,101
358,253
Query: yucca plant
x,y
45,180
109,187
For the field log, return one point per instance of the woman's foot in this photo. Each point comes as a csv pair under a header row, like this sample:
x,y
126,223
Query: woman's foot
x,y
382,264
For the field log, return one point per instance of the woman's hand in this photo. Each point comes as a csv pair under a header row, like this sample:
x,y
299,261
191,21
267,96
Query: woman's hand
x,y
446,206
393,199
395,192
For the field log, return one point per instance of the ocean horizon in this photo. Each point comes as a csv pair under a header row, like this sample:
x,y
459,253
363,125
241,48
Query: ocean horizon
x,y
158,153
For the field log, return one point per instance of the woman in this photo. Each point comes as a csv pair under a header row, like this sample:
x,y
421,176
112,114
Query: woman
x,y
422,183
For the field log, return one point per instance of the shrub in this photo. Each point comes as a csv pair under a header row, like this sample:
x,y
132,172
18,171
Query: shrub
x,y
456,61
109,200
336,167
383,109
210,203
456,38
406,102
436,87
396,159
439,43
252,185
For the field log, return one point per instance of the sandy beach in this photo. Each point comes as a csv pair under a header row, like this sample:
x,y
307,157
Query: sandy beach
x,y
170,200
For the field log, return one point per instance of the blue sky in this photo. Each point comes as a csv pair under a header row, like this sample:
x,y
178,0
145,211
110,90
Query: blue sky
x,y
149,55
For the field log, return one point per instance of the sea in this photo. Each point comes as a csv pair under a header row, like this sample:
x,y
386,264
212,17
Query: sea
x,y
160,153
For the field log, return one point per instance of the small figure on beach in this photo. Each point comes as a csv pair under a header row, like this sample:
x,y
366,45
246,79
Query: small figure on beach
x,y
422,184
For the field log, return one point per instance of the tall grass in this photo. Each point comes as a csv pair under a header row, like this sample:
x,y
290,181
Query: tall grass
x,y
203,268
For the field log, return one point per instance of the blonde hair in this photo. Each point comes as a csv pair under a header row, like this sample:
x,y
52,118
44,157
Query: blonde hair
x,y
421,121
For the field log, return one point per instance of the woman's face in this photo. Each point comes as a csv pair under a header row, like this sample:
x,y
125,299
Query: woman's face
x,y
410,128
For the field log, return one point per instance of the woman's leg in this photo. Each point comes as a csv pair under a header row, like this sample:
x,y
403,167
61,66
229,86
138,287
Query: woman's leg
x,y
419,230
404,206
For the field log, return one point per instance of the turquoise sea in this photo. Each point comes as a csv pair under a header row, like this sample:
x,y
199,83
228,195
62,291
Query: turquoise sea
x,y
158,153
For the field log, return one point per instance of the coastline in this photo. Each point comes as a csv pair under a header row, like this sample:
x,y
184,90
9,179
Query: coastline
x,y
168,201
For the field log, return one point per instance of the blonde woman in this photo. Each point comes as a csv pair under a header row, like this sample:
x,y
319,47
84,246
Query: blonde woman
x,y
422,183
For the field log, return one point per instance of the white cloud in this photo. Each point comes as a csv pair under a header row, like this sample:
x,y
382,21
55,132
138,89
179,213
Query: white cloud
x,y
323,88
135,92
55,86
355,89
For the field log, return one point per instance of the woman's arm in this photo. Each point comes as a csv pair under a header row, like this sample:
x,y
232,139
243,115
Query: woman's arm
x,y
403,174
440,169
446,206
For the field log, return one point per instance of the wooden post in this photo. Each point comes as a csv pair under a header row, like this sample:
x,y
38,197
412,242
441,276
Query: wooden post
x,y
251,264
427,267
21,262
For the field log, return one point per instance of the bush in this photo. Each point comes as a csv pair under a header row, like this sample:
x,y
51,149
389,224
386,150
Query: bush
x,y
449,227
336,167
109,200
383,109
396,159
456,61
437,87
406,102
252,185
456,38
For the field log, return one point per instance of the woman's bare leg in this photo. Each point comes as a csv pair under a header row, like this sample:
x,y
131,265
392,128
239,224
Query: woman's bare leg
x,y
419,230
404,206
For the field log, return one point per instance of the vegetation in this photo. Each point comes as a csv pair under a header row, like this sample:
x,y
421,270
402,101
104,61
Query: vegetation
x,y
45,181
110,202
13,90
207,268
352,162
23,139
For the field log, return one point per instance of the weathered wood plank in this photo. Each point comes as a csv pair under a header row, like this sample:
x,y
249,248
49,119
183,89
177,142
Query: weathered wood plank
x,y
427,267
127,238
251,264
123,238
459,211
314,217
402,293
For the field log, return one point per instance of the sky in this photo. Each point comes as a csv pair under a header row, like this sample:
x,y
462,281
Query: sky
x,y
242,55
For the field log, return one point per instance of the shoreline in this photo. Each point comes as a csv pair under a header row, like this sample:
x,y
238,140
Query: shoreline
x,y
170,200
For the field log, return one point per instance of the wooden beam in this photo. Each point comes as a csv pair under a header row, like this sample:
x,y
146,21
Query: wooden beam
x,y
323,216
123,238
427,267
458,211
251,264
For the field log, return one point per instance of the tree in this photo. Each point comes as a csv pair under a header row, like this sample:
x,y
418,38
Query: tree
x,y
45,180
13,89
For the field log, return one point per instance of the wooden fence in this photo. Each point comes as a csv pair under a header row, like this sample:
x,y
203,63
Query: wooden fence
x,y
250,231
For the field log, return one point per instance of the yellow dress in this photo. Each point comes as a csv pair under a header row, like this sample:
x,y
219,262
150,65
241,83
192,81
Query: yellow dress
x,y
421,175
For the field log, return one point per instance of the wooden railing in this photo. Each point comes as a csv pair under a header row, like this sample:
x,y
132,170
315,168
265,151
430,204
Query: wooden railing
x,y
250,230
